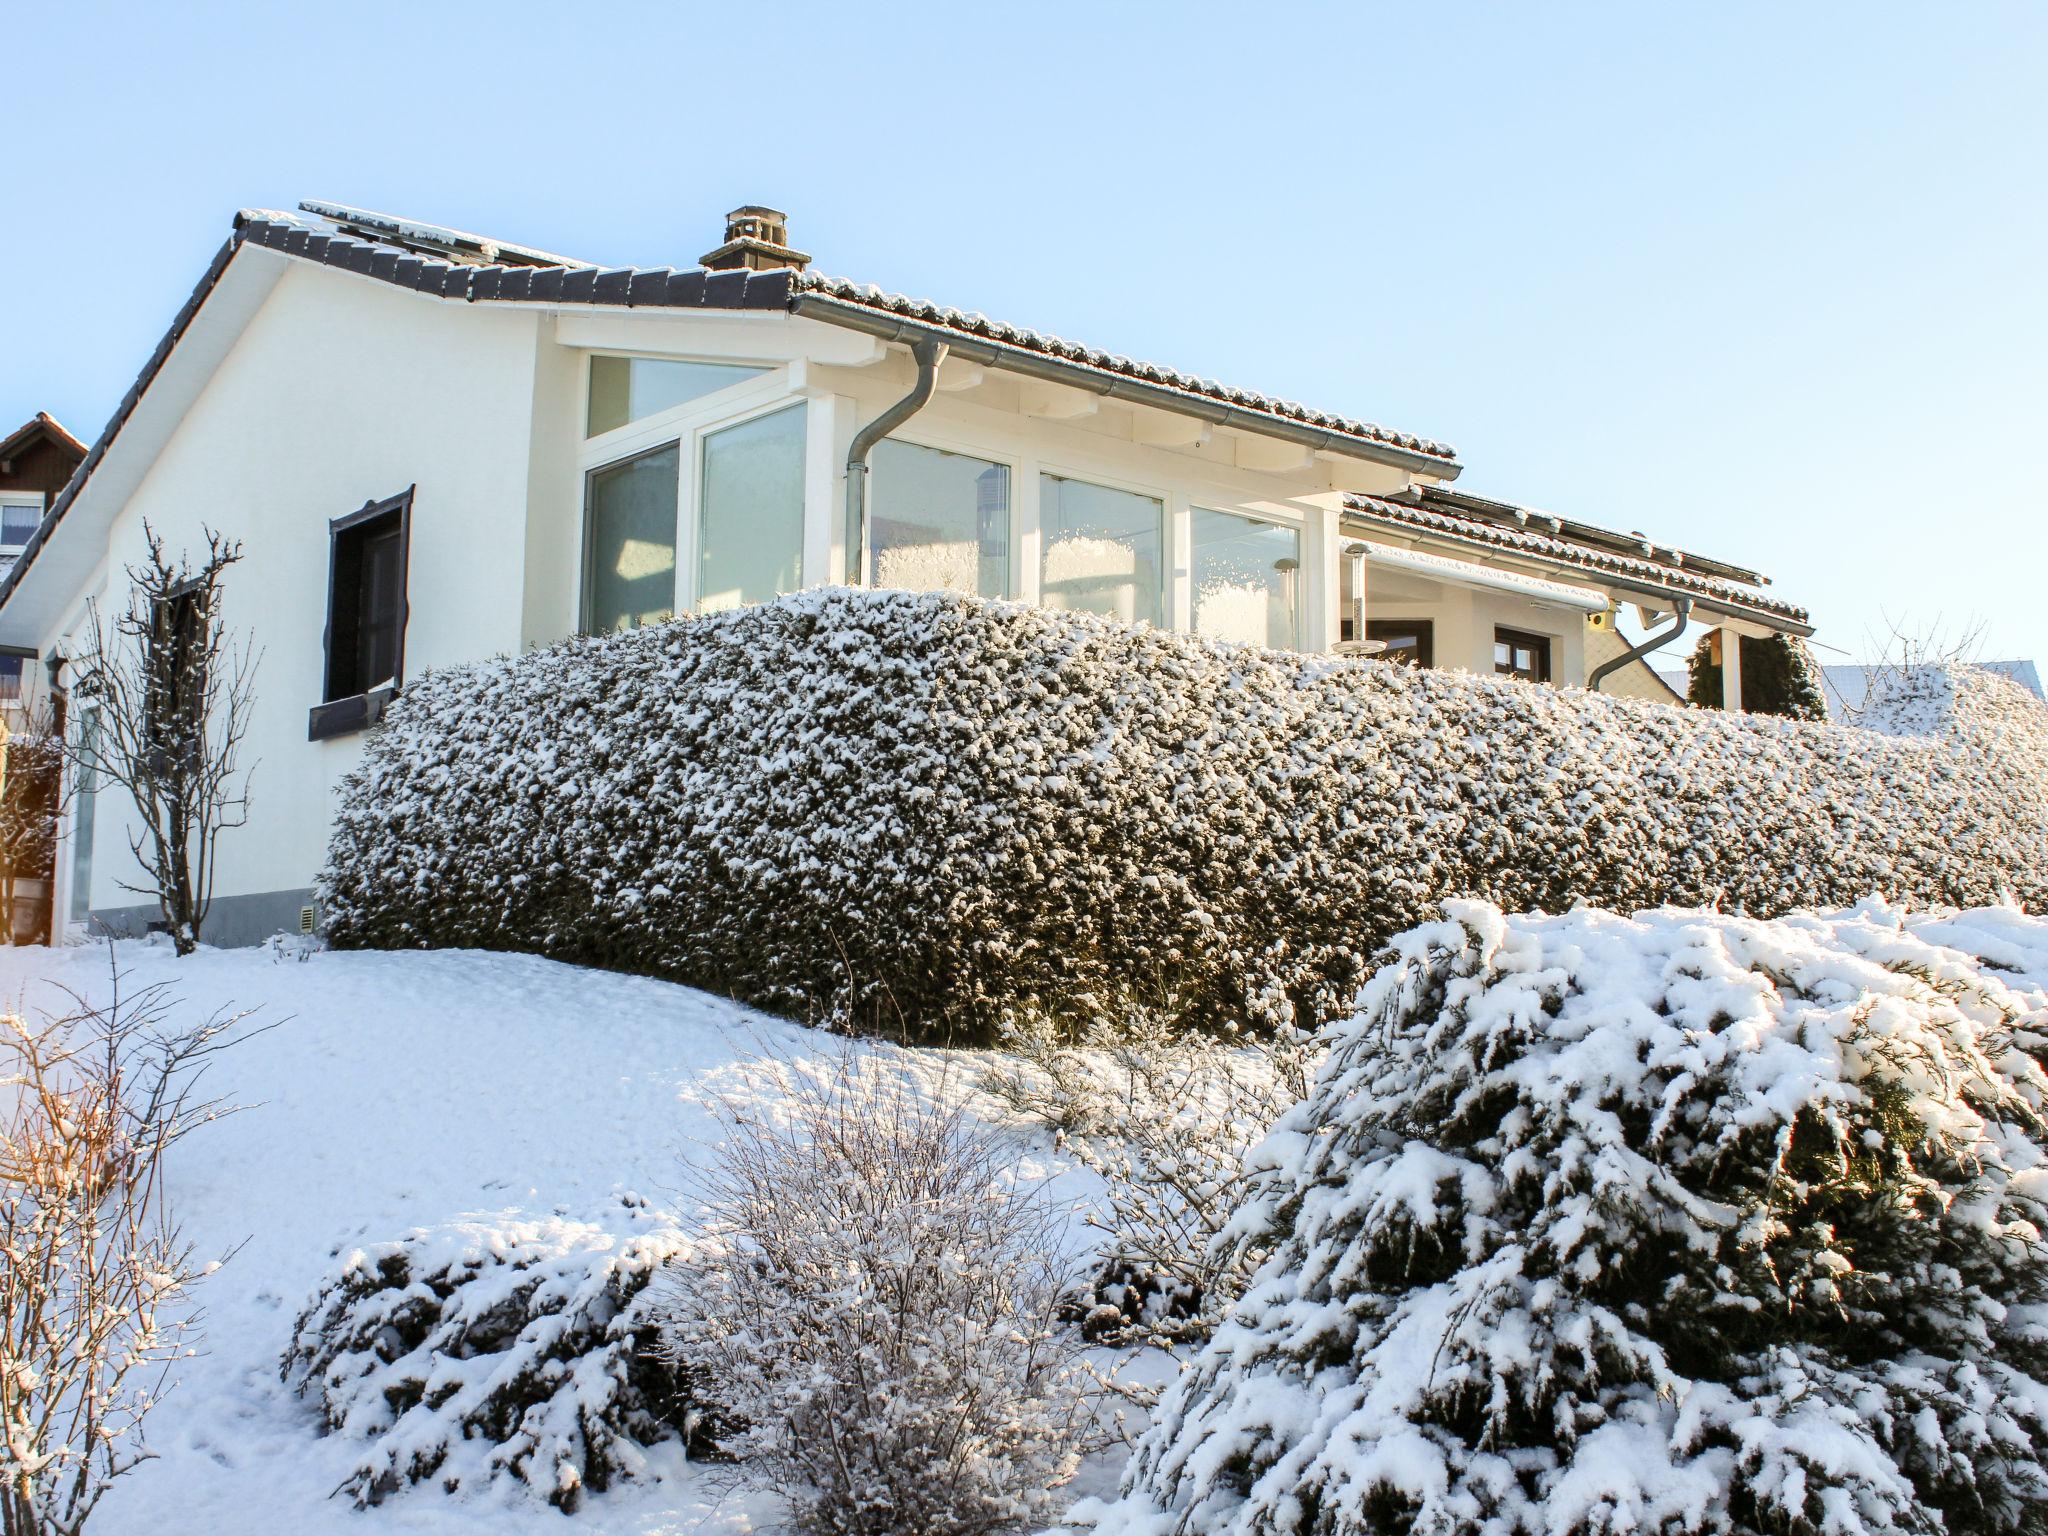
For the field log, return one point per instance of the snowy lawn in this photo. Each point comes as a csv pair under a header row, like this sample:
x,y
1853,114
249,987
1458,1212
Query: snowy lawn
x,y
400,1091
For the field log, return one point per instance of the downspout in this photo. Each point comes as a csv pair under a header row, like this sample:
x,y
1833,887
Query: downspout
x,y
929,352
1681,612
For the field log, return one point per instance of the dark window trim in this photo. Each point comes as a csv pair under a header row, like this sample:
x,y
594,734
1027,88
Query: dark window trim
x,y
1424,631
338,716
1540,644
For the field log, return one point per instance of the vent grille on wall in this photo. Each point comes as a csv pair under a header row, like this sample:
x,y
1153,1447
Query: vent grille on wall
x,y
305,919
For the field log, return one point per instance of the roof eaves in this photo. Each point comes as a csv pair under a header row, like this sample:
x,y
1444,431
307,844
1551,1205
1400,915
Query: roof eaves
x,y
180,323
812,286
1543,547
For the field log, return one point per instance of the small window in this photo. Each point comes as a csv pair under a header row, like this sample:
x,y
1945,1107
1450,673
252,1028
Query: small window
x,y
18,519
1412,642
366,612
750,518
1103,550
624,390
11,668
176,701
1522,655
1247,579
630,542
939,521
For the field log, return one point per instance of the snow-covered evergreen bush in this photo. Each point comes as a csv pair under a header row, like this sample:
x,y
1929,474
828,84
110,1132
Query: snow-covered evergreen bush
x,y
879,1301
930,811
1681,1223
1779,676
500,1351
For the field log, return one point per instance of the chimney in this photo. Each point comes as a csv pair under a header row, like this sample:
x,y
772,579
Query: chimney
x,y
757,239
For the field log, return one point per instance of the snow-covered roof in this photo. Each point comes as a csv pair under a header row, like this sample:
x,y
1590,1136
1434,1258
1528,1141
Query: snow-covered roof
x,y
1469,520
455,264
1848,685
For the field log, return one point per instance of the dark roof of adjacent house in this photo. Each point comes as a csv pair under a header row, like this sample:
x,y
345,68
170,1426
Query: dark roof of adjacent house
x,y
42,424
1627,559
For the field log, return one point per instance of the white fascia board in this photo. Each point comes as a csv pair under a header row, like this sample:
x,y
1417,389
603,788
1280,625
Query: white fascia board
x,y
743,335
77,545
1469,573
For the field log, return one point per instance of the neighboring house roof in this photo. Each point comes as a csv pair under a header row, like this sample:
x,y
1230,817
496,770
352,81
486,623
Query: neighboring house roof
x,y
453,264
42,424
1847,686
1620,559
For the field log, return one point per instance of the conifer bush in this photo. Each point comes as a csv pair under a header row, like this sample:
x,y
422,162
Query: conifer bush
x,y
1683,1223
511,1352
928,813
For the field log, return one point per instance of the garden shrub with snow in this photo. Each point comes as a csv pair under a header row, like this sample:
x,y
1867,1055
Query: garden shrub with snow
x,y
929,812
1679,1223
515,1352
879,1297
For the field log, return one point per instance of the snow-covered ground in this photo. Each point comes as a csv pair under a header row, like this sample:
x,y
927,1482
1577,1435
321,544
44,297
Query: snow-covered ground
x,y
399,1091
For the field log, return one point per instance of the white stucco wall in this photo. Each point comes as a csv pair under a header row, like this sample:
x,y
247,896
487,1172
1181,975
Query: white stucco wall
x,y
341,390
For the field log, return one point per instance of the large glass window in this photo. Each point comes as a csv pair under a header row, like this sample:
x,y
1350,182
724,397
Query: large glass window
x,y
751,514
1103,550
632,542
939,520
625,389
1247,579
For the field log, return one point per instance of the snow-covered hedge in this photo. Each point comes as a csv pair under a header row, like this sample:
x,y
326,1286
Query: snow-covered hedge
x,y
500,1351
927,811
1684,1223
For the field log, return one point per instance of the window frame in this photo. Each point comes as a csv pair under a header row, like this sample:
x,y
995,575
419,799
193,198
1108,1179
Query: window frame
x,y
1013,560
586,600
1425,637
762,370
339,714
1541,645
684,427
1174,519
35,501
1195,508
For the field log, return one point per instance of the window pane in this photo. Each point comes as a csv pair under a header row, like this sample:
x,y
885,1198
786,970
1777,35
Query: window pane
x,y
633,542
939,520
1102,550
10,677
1412,642
83,797
17,522
751,522
624,389
1247,580
382,602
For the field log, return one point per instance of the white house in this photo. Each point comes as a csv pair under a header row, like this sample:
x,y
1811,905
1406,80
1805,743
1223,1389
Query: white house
x,y
437,447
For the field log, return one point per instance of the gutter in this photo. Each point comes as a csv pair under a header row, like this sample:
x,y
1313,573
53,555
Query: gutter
x,y
1115,387
1661,597
929,353
1681,612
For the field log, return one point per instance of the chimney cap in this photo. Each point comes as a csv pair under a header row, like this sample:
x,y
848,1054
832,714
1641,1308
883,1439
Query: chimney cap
x,y
757,239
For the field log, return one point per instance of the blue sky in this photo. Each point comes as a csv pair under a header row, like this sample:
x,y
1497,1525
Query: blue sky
x,y
1770,282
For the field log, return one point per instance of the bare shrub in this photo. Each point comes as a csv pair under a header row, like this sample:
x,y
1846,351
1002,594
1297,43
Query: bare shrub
x,y
94,1304
172,693
1164,1120
879,1302
33,788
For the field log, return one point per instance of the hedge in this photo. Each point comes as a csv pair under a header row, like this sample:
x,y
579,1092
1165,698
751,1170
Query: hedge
x,y
927,814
